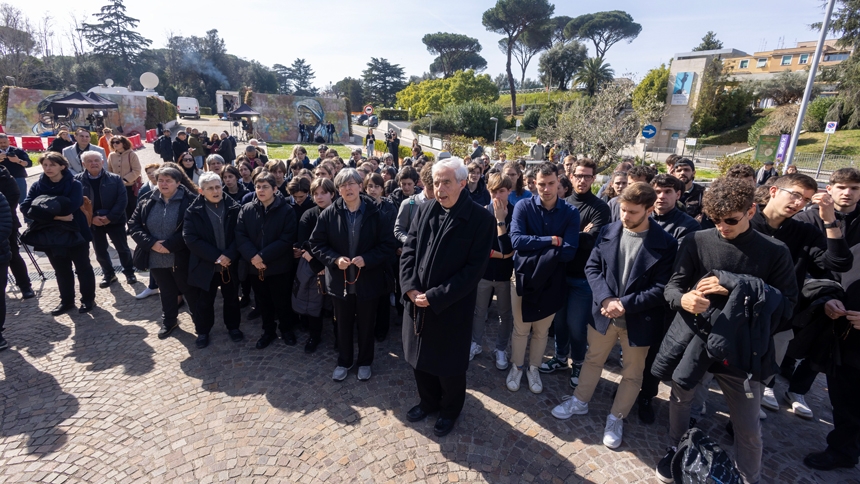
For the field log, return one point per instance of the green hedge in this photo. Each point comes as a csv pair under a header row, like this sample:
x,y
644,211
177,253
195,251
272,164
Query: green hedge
x,y
4,103
393,114
404,151
158,111
205,111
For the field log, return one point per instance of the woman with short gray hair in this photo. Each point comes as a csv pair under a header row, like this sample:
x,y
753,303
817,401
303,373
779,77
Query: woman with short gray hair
x,y
354,239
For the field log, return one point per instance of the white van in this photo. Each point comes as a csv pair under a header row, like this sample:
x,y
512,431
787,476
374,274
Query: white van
x,y
188,107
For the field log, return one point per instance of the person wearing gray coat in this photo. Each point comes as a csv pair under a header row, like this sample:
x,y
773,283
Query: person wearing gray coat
x,y
73,153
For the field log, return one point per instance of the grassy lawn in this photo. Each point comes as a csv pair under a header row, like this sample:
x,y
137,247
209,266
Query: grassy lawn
x,y
280,151
843,142
536,97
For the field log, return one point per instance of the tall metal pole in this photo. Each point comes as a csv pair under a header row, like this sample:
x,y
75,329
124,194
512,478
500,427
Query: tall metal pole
x,y
795,134
821,161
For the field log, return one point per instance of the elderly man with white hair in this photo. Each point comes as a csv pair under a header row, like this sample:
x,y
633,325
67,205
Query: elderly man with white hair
x,y
443,260
477,150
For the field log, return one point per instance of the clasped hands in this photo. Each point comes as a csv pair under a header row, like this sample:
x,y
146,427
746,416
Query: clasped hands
x,y
418,298
344,262
695,301
834,309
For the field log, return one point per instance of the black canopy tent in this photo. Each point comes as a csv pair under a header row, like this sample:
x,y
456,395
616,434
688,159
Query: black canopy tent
x,y
244,111
61,107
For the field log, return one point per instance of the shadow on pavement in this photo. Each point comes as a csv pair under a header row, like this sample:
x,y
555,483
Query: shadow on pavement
x,y
104,343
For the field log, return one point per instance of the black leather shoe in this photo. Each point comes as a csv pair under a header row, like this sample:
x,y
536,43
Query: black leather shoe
x,y
289,338
86,307
416,414
266,340
646,411
236,335
107,281
828,460
62,309
27,293
166,329
311,345
444,426
202,341
254,314
131,279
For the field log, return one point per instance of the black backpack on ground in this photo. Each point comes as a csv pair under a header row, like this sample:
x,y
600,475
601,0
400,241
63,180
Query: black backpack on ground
x,y
700,460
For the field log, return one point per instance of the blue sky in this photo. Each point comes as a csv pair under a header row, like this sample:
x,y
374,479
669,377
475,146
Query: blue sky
x,y
338,37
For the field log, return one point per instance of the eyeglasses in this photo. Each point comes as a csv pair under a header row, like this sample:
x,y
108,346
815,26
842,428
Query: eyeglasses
x,y
187,159
727,221
796,197
583,177
116,142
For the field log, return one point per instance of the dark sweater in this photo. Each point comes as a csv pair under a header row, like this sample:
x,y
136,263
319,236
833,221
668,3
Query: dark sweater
x,y
501,269
749,253
811,252
676,223
850,222
594,211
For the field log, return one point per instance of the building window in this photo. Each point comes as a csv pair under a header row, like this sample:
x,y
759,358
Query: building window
x,y
786,60
744,64
835,57
761,63
804,59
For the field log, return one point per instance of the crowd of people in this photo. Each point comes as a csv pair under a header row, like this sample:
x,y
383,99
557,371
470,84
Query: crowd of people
x,y
734,282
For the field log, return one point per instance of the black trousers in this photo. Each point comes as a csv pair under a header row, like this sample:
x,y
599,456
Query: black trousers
x,y
315,326
204,313
116,232
447,394
172,283
17,264
4,279
383,316
270,295
842,383
62,260
132,202
650,383
351,313
803,377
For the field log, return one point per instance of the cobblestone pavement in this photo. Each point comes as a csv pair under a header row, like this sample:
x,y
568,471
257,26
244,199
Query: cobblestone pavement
x,y
98,398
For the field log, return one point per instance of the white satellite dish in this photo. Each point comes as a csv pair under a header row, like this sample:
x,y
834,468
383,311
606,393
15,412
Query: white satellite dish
x,y
109,82
148,80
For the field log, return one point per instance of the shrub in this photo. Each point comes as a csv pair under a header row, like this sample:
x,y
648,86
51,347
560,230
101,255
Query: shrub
x,y
531,118
755,131
403,151
4,103
816,113
158,111
205,111
393,114
724,163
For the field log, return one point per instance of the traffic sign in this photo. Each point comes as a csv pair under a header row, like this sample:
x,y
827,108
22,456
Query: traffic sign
x,y
649,131
368,110
831,127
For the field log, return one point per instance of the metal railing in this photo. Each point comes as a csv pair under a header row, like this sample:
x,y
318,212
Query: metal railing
x,y
807,163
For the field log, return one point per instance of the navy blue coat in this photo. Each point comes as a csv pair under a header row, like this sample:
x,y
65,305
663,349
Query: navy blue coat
x,y
644,305
112,193
199,235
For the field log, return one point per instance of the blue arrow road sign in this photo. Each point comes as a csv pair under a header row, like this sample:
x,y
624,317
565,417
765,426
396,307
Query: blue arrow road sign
x,y
649,131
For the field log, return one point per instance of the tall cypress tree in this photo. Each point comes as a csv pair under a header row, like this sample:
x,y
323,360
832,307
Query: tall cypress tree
x,y
113,38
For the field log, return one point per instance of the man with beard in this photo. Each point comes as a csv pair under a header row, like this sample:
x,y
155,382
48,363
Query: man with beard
x,y
627,270
811,252
691,198
443,260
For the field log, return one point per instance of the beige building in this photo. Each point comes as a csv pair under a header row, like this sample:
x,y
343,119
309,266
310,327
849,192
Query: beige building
x,y
764,64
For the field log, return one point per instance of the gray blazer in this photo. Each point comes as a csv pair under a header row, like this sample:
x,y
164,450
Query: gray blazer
x,y
71,154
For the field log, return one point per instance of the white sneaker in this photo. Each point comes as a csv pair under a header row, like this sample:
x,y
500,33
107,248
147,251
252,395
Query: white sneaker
x,y
768,400
569,407
476,349
613,432
146,293
533,375
501,359
514,378
798,404
761,414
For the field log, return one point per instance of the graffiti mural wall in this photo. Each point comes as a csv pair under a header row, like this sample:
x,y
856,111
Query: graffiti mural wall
x,y
280,117
28,114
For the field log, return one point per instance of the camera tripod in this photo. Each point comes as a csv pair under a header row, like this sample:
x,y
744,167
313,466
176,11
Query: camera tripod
x,y
32,259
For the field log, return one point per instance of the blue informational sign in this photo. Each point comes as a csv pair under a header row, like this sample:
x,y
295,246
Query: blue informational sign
x,y
649,131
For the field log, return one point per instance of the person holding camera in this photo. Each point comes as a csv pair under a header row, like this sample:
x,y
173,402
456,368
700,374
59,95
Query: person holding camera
x,y
16,161
393,144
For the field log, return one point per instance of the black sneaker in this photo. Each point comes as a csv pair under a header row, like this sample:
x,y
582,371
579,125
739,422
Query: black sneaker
x,y
646,411
664,467
107,281
3,343
236,335
311,345
27,293
131,279
202,341
289,337
166,329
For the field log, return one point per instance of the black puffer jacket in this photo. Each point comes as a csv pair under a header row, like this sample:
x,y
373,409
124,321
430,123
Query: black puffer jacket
x,y
138,231
6,228
9,189
733,336
199,236
267,231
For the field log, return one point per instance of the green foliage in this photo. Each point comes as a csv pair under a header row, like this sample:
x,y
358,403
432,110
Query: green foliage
x,y
454,52
4,103
113,37
158,111
351,89
651,91
435,94
382,81
709,42
297,79
755,131
205,111
816,113
594,74
531,118
724,163
470,119
532,41
394,114
719,108
558,64
784,88
461,146
603,29
731,136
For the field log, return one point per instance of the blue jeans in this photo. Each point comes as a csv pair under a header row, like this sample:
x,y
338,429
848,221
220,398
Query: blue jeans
x,y
22,186
198,160
571,322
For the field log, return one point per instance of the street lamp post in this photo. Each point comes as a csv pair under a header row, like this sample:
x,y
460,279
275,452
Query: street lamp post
x,y
496,131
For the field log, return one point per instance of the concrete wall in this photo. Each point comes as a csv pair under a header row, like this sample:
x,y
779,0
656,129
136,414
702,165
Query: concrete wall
x,y
679,117
280,115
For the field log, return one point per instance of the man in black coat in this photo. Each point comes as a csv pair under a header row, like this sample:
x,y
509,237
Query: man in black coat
x,y
9,189
164,146
443,260
209,232
6,228
107,193
180,144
